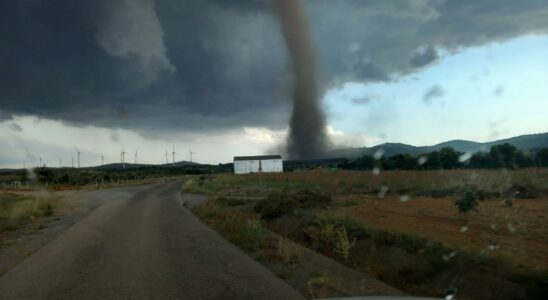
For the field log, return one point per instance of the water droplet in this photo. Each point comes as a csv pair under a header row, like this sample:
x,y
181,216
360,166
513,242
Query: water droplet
x,y
378,154
449,296
383,191
404,198
464,229
494,247
447,257
376,171
511,228
422,160
465,157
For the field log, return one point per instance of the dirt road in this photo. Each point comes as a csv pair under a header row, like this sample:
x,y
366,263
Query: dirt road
x,y
144,247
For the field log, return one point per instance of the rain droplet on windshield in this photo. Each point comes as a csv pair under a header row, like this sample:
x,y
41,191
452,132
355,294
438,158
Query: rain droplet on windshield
x,y
378,154
383,191
447,257
465,157
422,160
376,171
404,198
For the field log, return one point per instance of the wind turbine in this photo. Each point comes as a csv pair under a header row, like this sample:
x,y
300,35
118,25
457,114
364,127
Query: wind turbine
x,y
167,155
60,163
136,155
102,160
123,157
191,153
26,157
173,154
78,152
72,161
40,165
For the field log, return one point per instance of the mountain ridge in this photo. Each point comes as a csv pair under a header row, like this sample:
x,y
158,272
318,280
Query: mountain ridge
x,y
527,142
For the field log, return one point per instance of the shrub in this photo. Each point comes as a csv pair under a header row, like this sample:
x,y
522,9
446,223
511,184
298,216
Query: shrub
x,y
330,238
253,235
275,205
240,228
230,202
278,204
468,200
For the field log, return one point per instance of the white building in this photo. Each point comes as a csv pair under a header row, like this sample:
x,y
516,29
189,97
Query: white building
x,y
258,164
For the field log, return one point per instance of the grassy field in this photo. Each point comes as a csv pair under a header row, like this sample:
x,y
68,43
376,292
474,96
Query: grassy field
x,y
17,210
402,226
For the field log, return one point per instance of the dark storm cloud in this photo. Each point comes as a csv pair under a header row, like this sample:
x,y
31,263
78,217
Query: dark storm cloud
x,y
423,58
210,64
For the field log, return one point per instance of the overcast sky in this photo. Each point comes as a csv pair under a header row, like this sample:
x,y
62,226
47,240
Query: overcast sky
x,y
214,75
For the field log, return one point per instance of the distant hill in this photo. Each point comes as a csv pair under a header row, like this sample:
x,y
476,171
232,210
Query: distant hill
x,y
529,142
120,166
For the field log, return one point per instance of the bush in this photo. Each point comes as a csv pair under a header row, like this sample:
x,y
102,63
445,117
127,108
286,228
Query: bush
x,y
275,205
279,204
253,235
241,228
230,202
468,199
331,238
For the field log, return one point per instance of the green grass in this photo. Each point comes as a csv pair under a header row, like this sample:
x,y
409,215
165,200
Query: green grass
x,y
18,210
240,228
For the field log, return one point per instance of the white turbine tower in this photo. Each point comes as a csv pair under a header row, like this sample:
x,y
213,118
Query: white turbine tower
x,y
123,157
27,158
167,157
173,154
78,152
136,156
60,163
102,159
190,153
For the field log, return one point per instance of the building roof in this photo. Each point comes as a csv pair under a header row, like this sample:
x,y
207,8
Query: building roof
x,y
259,157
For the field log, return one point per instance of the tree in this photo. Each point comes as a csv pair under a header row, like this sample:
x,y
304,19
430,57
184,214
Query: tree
x,y
433,160
541,159
481,160
449,158
523,160
468,200
504,155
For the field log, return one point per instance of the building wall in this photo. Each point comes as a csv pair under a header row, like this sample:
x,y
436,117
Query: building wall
x,y
252,166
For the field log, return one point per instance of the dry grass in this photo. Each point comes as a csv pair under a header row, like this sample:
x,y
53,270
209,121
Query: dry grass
x,y
403,227
421,203
517,233
436,183
19,210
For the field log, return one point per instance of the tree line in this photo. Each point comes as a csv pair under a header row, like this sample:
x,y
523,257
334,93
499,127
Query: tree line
x,y
499,156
